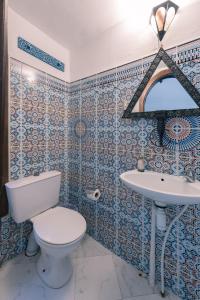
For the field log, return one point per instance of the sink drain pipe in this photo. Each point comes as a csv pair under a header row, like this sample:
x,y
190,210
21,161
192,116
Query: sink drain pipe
x,y
163,248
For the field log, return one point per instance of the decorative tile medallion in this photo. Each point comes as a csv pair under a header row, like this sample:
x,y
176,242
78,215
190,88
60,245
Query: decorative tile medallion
x,y
182,132
80,128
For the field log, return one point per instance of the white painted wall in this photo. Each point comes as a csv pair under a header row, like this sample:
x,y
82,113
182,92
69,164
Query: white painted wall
x,y
116,46
18,26
121,44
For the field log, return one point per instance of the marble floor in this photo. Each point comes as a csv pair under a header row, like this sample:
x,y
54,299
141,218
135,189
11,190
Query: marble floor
x,y
98,275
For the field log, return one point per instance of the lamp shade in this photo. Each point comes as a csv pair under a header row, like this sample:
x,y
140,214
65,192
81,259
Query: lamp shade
x,y
162,16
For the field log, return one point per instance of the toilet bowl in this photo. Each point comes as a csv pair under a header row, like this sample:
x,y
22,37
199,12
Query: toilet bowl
x,y
58,231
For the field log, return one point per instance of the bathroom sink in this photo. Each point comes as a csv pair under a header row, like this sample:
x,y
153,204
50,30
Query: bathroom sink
x,y
164,188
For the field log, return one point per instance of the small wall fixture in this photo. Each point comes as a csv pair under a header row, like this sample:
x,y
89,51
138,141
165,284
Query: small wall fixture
x,y
162,16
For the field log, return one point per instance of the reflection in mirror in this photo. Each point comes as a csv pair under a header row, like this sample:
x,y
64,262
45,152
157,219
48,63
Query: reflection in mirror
x,y
167,93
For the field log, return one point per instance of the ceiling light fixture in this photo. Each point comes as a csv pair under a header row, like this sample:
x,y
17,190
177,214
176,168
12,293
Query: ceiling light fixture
x,y
162,16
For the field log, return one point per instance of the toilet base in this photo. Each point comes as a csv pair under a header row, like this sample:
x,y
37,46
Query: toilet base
x,y
54,271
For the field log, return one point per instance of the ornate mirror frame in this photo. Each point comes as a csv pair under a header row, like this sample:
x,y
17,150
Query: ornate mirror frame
x,y
147,81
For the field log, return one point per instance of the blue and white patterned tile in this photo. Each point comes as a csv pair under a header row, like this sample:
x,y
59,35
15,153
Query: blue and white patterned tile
x,y
88,139
73,139
33,87
106,120
75,86
106,179
107,159
129,228
56,154
74,102
126,89
88,210
192,71
33,116
129,251
88,177
88,99
106,97
126,161
33,135
188,287
55,118
88,155
73,185
162,164
56,97
106,238
106,78
106,218
73,153
88,84
73,121
55,136
106,139
15,132
107,198
33,159
129,201
15,163
73,201
89,120
15,81
56,84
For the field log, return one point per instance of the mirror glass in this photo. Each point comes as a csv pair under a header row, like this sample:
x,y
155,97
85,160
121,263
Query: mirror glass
x,y
163,93
168,94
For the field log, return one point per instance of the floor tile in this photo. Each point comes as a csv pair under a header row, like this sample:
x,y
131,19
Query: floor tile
x,y
98,275
90,248
96,279
19,281
131,284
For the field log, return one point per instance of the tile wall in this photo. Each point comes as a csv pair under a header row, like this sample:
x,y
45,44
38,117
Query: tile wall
x,y
102,145
79,130
38,104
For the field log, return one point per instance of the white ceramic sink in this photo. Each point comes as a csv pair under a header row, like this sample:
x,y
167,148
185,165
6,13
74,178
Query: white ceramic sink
x,y
166,189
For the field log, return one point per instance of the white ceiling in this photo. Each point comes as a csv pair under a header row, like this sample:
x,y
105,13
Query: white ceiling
x,y
69,22
73,23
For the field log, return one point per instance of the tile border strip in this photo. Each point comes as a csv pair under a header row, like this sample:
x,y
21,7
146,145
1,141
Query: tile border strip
x,y
40,54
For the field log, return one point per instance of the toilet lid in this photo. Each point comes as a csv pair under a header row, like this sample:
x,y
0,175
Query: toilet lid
x,y
59,225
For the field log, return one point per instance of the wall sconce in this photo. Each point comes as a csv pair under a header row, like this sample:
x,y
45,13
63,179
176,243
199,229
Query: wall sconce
x,y
162,16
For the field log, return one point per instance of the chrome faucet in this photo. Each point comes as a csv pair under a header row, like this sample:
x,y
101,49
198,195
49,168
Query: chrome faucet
x,y
190,176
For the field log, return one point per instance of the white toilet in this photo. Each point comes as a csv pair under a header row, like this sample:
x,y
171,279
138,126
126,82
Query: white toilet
x,y
57,230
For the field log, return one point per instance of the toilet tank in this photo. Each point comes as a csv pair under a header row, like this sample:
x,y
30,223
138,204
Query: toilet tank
x,y
32,195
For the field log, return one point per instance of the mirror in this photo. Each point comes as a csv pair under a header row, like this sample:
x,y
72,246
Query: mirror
x,y
164,92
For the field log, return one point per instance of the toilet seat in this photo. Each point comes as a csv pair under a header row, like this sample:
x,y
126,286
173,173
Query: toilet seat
x,y
59,226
